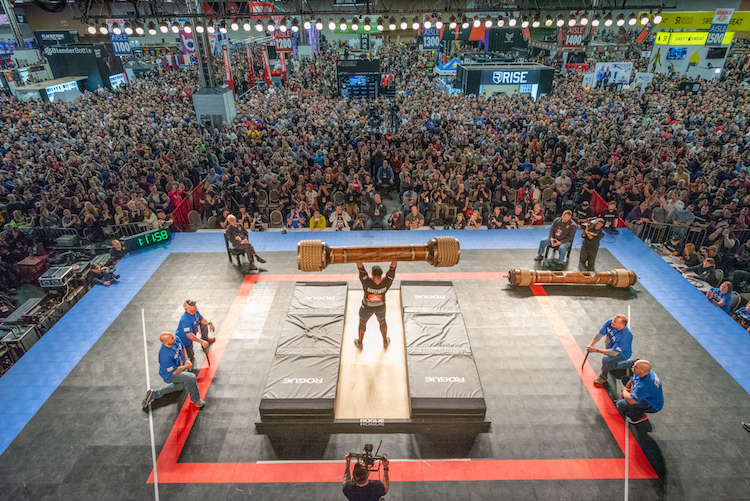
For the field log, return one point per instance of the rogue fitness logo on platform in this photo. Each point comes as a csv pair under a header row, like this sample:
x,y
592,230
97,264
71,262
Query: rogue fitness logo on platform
x,y
302,380
427,296
319,298
443,379
509,77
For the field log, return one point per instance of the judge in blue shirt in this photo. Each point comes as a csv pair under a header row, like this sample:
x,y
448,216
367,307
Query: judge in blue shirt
x,y
617,348
642,394
174,369
722,296
191,325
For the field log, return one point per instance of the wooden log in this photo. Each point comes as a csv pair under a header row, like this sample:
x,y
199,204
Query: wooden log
x,y
614,278
314,255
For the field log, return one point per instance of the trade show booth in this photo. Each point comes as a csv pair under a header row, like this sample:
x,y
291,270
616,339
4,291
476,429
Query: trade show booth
x,y
687,54
97,62
533,79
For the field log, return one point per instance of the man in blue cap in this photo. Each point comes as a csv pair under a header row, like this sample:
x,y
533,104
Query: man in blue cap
x,y
192,324
174,369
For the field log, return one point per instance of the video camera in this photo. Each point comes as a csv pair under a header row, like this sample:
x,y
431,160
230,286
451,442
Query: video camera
x,y
368,458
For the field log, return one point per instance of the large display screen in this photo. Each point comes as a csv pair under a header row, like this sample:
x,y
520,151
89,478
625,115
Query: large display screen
x,y
677,53
716,53
358,80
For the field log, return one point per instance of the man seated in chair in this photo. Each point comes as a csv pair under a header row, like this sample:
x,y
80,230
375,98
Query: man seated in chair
x,y
560,238
237,236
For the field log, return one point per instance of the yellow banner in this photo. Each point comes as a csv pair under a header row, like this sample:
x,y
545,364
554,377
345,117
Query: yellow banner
x,y
702,20
689,38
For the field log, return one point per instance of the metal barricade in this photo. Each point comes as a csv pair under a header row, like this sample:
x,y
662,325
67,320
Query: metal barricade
x,y
660,233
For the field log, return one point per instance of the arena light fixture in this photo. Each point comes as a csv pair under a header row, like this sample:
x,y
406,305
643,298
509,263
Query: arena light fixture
x,y
525,21
560,21
116,29
163,27
415,23
367,26
187,28
175,27
548,21
380,24
572,20
223,26
477,22
342,23
246,25
295,25
452,22
139,28
608,19
152,28
464,22
632,19
91,29
645,18
620,19
103,29
488,22
234,25
331,24
127,28
537,21
427,23
511,20
319,24
439,22
584,19
307,24
392,24
271,27
210,28
403,24
657,18
597,19
500,21
355,23
283,25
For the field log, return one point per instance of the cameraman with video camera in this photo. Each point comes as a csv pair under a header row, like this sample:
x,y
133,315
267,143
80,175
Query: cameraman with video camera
x,y
361,488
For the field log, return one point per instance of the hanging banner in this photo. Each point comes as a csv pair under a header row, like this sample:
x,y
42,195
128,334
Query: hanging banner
x,y
260,9
701,20
121,44
250,68
574,36
283,41
282,58
719,26
266,67
431,39
312,36
188,43
227,68
642,35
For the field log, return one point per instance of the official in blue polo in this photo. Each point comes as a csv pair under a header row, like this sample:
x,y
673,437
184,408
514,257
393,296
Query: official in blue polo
x,y
642,394
174,369
617,347
192,324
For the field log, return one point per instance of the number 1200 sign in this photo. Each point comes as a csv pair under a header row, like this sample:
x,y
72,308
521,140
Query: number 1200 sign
x,y
153,238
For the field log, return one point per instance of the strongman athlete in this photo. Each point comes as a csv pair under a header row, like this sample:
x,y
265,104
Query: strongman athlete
x,y
374,301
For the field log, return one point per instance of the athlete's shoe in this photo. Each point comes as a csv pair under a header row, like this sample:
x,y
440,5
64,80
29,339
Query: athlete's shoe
x,y
600,381
150,398
746,426
260,259
386,342
645,417
358,343
200,403
538,257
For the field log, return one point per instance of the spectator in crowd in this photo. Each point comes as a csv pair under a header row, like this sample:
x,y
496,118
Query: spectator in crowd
x,y
377,212
705,271
340,219
317,220
722,296
414,220
396,221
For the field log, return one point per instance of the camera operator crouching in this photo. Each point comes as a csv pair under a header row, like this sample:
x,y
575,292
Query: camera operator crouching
x,y
361,488
105,275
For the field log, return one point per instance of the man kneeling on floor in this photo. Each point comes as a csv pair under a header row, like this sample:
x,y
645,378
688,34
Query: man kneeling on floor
x,y
642,394
618,347
174,369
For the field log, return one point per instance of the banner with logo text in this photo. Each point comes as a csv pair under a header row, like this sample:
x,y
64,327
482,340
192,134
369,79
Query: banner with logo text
x,y
266,67
250,67
227,68
719,27
283,41
282,58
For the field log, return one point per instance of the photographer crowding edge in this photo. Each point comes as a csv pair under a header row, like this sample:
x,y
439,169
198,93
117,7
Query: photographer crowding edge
x,y
105,275
361,488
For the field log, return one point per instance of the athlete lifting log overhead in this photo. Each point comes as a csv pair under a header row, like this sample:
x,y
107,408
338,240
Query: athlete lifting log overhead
x,y
373,303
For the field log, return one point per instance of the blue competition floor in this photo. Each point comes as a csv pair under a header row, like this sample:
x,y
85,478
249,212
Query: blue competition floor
x,y
30,382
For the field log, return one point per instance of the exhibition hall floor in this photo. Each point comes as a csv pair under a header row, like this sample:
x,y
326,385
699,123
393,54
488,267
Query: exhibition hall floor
x,y
72,427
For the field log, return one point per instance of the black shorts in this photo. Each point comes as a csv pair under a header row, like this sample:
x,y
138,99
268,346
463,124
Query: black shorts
x,y
365,312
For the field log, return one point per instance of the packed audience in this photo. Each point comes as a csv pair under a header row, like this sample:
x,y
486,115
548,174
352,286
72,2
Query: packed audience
x,y
131,155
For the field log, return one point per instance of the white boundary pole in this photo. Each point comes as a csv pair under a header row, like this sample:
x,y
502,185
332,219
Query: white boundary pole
x,y
627,431
150,416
